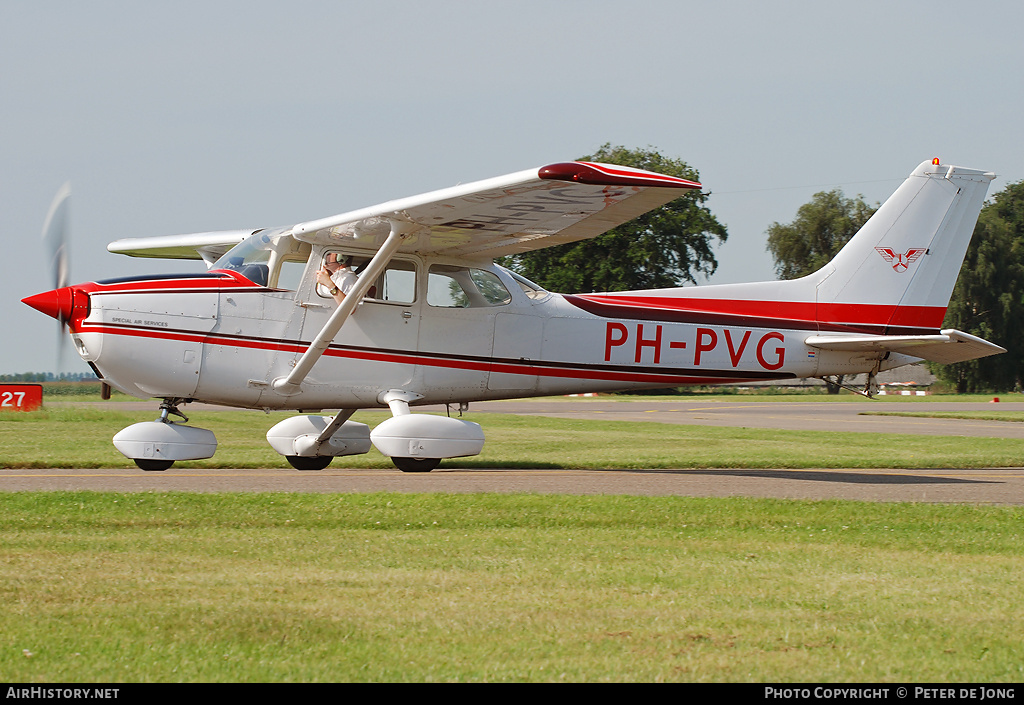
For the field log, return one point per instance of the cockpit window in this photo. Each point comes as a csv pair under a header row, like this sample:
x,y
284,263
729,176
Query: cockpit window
x,y
250,258
271,258
396,284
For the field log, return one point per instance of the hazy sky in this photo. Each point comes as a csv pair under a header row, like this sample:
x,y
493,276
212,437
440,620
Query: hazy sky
x,y
176,117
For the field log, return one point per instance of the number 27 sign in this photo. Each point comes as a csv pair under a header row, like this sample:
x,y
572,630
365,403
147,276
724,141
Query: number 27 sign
x,y
21,397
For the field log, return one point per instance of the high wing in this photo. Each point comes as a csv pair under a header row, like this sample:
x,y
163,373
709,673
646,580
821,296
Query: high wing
x,y
527,210
947,347
205,246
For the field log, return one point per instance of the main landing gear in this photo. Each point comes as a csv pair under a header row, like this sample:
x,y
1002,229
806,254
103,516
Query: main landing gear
x,y
418,442
416,464
312,442
414,442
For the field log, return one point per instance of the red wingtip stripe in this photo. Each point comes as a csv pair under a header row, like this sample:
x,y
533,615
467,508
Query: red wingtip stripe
x,y
609,175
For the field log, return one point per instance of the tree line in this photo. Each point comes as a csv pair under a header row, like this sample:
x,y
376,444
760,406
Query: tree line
x,y
36,377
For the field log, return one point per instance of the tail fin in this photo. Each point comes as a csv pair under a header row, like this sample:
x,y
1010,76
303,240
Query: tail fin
x,y
899,270
894,277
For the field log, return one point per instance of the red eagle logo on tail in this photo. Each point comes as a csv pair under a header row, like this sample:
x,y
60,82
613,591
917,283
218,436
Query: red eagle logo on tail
x,y
901,262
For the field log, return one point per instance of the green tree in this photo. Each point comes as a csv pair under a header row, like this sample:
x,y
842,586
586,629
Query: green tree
x,y
821,228
988,300
663,248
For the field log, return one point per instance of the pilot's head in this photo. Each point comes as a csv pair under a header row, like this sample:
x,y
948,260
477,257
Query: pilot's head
x,y
333,261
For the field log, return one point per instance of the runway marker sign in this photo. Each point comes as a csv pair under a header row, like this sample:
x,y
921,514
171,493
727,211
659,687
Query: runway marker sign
x,y
21,397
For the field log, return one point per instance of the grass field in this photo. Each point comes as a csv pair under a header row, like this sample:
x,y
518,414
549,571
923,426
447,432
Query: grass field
x,y
163,587
1014,416
72,437
114,587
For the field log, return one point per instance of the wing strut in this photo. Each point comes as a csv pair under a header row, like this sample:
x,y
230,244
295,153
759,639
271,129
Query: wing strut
x,y
400,229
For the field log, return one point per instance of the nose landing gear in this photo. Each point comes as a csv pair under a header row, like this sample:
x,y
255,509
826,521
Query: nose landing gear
x,y
156,445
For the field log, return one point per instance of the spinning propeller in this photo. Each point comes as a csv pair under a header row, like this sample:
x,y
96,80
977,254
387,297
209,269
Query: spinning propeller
x,y
59,302
55,235
55,240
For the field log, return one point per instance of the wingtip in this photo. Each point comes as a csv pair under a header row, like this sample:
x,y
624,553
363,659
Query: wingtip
x,y
596,174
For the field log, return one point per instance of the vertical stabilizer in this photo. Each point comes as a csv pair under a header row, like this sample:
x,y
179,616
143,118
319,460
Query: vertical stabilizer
x,y
899,270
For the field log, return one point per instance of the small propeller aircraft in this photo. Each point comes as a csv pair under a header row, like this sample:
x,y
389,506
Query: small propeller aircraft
x,y
432,319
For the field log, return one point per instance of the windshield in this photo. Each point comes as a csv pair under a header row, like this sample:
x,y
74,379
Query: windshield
x,y
259,257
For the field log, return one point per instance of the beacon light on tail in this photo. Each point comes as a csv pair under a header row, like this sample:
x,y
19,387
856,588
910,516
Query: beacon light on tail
x,y
431,319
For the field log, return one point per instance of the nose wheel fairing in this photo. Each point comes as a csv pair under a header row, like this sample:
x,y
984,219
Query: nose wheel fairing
x,y
156,445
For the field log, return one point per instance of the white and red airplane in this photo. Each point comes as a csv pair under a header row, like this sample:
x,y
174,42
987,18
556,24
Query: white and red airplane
x,y
432,319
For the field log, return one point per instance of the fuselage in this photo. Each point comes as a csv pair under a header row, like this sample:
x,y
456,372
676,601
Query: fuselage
x,y
220,337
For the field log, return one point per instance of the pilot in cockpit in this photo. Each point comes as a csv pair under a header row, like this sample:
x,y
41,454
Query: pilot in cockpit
x,y
336,276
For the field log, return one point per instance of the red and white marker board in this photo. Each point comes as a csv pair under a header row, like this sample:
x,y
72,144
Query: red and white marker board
x,y
21,397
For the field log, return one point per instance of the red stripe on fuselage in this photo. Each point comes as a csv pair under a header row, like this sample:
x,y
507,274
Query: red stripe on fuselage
x,y
210,282
774,314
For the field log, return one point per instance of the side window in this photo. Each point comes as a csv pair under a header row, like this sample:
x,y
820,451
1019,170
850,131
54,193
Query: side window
x,y
353,263
490,287
529,288
462,287
397,284
290,275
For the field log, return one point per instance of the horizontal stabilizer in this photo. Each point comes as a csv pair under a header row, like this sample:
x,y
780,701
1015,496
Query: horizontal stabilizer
x,y
946,347
205,246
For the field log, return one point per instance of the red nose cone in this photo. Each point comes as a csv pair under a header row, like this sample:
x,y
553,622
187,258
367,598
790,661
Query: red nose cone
x,y
57,303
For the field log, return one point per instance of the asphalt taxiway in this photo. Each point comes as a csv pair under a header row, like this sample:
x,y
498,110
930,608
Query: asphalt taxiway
x,y
974,486
979,485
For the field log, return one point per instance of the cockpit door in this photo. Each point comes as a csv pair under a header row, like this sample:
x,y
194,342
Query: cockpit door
x,y
382,329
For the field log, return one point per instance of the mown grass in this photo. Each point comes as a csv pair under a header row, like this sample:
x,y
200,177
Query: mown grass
x,y
112,587
1013,416
69,437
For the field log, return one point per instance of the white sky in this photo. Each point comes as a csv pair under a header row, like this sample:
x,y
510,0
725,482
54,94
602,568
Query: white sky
x,y
176,117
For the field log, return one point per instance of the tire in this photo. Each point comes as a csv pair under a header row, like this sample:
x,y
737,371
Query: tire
x,y
416,464
153,465
317,462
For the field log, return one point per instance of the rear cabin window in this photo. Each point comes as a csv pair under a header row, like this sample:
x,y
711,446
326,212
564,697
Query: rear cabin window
x,y
449,286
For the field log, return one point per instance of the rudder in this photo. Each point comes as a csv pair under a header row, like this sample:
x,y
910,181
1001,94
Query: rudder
x,y
897,273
